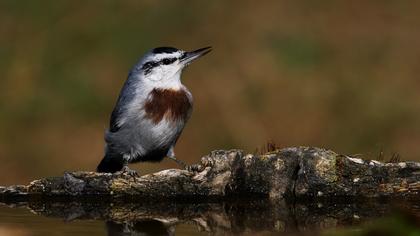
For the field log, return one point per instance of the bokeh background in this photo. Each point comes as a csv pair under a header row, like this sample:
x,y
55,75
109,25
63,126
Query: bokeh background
x,y
342,75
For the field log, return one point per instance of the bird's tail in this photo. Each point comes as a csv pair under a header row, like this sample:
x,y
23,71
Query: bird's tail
x,y
110,163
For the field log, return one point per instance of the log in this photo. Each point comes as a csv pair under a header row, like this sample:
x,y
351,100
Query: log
x,y
290,174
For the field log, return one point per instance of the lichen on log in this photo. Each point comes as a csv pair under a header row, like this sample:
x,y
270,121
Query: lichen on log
x,y
290,173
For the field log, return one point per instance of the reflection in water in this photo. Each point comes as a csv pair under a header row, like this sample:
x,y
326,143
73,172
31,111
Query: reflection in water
x,y
162,218
142,227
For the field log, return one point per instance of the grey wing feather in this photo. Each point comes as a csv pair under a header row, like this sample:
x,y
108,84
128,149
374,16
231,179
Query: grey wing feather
x,y
126,96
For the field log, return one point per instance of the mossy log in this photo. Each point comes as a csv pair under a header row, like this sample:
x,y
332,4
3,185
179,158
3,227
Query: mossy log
x,y
290,173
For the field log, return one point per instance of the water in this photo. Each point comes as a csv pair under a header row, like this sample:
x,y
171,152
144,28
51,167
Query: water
x,y
249,217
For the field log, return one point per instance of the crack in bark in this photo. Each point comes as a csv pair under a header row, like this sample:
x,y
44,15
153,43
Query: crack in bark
x,y
295,177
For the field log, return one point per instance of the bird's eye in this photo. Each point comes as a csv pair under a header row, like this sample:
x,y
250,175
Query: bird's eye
x,y
168,61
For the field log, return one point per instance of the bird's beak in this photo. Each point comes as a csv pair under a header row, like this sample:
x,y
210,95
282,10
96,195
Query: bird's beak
x,y
188,57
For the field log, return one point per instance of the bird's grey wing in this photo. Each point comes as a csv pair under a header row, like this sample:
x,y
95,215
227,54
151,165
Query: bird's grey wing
x,y
127,95
113,124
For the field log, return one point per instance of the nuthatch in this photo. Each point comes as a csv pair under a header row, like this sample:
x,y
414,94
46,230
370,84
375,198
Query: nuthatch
x,y
151,112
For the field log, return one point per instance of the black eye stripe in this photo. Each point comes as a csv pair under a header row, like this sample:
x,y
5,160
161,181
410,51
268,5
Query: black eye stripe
x,y
148,66
167,61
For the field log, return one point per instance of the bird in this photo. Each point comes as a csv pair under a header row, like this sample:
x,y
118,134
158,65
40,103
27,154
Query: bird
x,y
151,111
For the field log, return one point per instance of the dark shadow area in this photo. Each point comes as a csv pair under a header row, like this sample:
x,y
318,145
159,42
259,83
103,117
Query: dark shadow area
x,y
143,227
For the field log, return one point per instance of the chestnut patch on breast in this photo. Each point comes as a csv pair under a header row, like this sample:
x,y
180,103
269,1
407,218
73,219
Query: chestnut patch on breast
x,y
171,104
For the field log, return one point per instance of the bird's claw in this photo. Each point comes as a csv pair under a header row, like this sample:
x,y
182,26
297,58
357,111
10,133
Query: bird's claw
x,y
193,168
127,171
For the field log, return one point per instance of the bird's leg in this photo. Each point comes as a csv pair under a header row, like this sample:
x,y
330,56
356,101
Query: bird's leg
x,y
179,162
171,155
126,170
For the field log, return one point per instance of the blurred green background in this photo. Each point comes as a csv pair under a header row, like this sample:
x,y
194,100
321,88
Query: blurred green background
x,y
336,74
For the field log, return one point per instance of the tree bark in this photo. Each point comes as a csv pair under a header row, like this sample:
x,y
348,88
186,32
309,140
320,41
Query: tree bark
x,y
290,174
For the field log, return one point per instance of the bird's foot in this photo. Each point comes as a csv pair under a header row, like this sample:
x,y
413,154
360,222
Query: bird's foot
x,y
127,171
194,168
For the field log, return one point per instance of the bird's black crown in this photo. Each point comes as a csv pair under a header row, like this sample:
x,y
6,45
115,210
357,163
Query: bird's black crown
x,y
164,50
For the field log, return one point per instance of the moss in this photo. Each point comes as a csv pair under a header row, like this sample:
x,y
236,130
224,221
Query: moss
x,y
119,185
326,168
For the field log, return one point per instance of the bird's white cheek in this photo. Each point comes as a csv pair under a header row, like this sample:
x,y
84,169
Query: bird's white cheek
x,y
156,75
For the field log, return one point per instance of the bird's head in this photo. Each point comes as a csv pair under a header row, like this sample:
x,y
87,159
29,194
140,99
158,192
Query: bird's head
x,y
162,66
